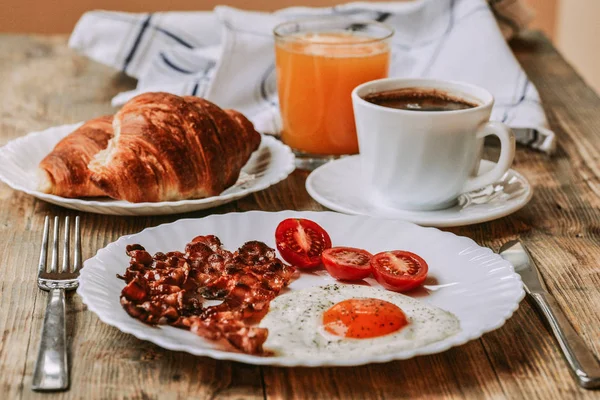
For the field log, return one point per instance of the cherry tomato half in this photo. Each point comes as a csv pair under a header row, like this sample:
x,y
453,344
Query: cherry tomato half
x,y
399,270
347,263
301,242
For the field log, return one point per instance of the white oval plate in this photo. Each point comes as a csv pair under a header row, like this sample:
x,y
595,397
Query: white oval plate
x,y
338,186
19,159
472,282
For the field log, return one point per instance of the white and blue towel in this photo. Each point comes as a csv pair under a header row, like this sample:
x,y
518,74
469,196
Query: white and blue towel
x,y
227,55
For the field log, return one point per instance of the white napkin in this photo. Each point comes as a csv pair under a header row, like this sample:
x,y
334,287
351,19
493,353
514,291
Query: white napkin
x,y
227,55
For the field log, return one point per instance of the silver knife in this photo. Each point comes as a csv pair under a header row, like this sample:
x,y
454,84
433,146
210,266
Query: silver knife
x,y
584,366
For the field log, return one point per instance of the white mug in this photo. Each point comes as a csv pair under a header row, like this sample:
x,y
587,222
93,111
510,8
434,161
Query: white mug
x,y
423,160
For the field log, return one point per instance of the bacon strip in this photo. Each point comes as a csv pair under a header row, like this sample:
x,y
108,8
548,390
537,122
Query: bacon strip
x,y
171,288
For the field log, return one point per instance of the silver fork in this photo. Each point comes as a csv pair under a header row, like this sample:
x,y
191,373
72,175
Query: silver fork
x,y
51,368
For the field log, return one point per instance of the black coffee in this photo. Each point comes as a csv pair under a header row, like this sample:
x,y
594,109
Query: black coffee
x,y
416,99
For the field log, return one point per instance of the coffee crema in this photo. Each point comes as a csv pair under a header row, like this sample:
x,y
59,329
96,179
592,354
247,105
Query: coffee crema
x,y
419,99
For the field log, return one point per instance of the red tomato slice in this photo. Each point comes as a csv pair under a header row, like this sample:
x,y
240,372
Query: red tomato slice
x,y
301,242
347,263
399,270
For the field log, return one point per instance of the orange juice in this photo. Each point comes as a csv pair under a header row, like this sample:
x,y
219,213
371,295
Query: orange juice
x,y
316,73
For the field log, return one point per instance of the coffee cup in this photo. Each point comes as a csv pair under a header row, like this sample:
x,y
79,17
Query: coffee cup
x,y
421,141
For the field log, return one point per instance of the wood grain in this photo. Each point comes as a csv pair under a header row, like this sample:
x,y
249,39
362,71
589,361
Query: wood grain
x,y
45,84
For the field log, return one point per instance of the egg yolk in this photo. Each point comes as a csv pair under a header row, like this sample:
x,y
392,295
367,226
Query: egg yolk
x,y
363,318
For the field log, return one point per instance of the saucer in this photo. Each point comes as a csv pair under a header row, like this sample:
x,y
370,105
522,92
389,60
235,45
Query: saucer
x,y
338,186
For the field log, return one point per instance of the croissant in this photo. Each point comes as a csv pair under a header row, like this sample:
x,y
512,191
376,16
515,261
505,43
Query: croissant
x,y
64,172
167,147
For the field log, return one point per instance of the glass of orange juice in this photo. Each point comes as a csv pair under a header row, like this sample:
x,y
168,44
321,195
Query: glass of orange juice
x,y
319,61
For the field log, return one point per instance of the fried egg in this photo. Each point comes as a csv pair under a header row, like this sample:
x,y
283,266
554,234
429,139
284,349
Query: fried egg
x,y
352,320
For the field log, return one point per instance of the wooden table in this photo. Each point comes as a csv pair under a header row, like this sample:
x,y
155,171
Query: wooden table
x,y
43,83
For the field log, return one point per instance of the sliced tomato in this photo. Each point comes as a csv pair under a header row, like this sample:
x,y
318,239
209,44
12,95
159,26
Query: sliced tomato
x,y
399,270
347,263
301,242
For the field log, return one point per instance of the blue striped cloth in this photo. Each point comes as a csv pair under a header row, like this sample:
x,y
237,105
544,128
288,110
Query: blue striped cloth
x,y
227,55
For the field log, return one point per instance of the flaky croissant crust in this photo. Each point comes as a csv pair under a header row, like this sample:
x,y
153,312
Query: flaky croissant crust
x,y
64,171
167,147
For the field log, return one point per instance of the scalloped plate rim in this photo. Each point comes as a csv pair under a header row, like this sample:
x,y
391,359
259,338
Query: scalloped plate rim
x,y
287,361
271,142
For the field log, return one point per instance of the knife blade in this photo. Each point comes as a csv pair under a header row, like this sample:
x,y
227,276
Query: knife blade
x,y
582,362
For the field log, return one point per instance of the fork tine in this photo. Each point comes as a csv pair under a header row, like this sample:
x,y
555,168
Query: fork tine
x,y
77,255
54,265
65,259
44,250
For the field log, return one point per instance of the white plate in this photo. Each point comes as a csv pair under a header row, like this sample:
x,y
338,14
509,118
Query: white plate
x,y
338,186
472,282
19,159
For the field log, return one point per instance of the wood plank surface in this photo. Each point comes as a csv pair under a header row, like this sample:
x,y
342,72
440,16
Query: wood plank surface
x,y
43,83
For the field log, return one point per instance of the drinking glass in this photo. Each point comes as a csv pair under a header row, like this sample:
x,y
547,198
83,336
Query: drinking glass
x,y
319,62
